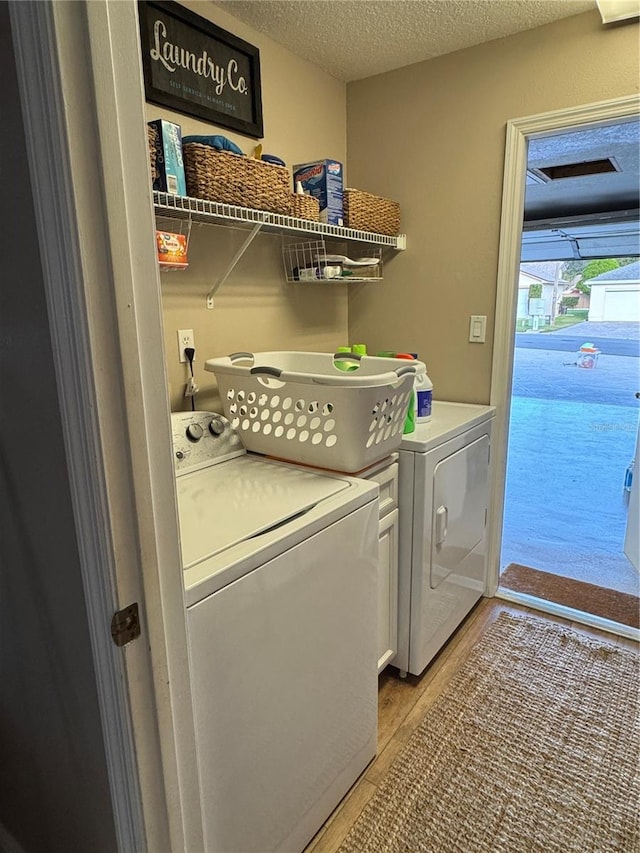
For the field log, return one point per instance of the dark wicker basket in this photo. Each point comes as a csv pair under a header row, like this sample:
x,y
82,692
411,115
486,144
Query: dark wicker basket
x,y
367,212
152,137
305,207
233,179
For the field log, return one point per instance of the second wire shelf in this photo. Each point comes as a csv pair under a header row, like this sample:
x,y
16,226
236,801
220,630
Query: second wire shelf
x,y
310,261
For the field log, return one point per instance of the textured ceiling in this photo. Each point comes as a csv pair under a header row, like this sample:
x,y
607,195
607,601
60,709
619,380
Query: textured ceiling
x,y
352,39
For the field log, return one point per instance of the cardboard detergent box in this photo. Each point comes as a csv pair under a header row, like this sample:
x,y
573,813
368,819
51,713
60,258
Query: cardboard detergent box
x,y
169,164
323,180
172,250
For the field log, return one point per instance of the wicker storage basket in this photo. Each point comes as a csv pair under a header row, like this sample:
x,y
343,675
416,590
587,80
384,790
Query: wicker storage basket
x,y
340,411
368,212
305,207
230,178
152,137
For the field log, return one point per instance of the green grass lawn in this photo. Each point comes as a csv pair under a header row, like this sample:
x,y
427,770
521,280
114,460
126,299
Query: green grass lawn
x,y
573,316
562,322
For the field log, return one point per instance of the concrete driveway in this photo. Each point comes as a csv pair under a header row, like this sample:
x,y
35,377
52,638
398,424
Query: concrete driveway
x,y
609,331
572,435
553,374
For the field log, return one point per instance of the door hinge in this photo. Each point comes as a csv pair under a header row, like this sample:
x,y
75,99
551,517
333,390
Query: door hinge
x,y
125,625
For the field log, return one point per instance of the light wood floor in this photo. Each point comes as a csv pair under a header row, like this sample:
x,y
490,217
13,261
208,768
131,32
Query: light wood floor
x,y
403,702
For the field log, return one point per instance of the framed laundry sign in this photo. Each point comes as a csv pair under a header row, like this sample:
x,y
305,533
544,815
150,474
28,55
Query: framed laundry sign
x,y
196,68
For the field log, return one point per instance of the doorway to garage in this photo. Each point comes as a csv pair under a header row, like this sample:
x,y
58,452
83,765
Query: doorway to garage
x,y
572,435
573,412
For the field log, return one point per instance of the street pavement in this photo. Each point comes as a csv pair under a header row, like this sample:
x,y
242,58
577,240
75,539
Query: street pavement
x,y
572,436
610,338
572,343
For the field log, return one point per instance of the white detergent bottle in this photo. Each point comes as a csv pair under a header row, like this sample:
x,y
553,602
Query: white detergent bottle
x,y
424,398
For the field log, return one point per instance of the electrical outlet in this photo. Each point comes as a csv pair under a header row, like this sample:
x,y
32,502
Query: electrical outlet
x,y
185,339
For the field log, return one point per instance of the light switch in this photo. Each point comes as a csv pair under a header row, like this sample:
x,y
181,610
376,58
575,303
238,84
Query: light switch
x,y
477,328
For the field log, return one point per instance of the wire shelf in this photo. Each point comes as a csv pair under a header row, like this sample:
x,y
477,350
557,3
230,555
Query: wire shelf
x,y
310,261
199,210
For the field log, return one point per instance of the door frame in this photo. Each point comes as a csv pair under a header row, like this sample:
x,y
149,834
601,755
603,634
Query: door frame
x,y
82,94
519,131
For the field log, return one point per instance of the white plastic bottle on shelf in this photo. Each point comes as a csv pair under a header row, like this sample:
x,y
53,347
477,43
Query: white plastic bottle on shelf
x,y
424,398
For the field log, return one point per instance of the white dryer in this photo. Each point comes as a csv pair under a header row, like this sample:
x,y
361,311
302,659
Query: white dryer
x,y
280,571
443,507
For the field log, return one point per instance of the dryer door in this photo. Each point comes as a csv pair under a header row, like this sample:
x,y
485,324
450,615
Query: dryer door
x,y
460,495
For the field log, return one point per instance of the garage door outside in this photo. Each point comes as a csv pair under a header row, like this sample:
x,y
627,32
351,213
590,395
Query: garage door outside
x,y
615,303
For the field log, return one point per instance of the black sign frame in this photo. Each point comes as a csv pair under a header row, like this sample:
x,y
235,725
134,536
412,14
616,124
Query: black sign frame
x,y
245,56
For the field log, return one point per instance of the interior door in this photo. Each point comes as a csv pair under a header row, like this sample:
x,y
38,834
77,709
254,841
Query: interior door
x,y
631,543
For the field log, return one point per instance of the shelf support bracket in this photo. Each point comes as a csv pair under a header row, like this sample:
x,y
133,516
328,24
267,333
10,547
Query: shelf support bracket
x,y
250,238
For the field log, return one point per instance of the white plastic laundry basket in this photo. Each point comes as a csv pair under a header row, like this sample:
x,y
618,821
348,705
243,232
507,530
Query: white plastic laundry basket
x,y
306,407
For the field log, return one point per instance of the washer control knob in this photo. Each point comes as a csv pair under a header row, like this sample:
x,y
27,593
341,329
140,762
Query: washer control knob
x,y
216,427
194,432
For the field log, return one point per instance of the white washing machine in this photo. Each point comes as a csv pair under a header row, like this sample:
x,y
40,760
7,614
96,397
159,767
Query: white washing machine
x,y
280,568
443,507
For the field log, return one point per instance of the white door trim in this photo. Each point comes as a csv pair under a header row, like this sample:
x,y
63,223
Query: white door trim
x,y
588,620
518,132
83,98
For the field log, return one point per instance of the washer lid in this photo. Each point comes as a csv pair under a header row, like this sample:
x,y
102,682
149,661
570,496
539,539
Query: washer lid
x,y
228,503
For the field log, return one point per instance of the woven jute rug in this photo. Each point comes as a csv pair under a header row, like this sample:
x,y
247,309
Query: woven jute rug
x,y
620,607
533,747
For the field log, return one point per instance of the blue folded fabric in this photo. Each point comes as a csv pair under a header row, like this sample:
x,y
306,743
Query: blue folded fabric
x,y
220,143
271,158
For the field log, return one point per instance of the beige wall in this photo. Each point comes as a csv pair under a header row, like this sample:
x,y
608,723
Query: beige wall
x,y
432,136
304,119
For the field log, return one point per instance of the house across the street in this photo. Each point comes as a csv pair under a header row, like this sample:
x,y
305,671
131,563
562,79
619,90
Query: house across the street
x,y
536,293
615,295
